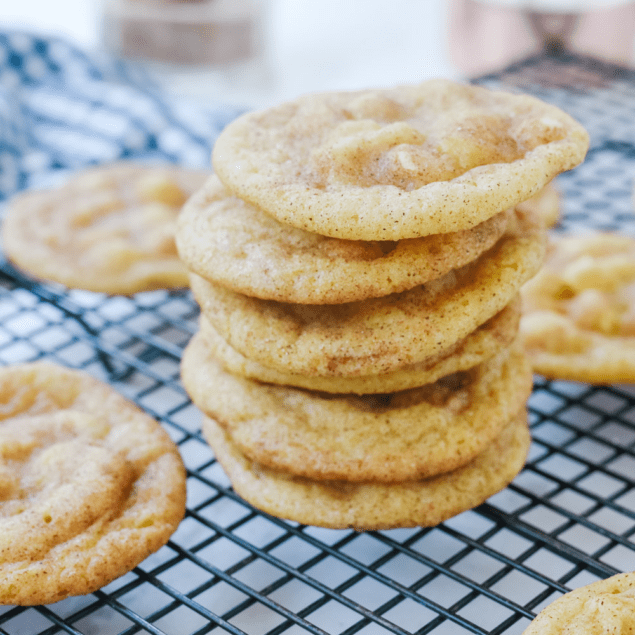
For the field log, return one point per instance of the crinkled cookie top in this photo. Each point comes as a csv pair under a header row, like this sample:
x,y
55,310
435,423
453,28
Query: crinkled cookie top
x,y
579,310
397,163
89,484
606,606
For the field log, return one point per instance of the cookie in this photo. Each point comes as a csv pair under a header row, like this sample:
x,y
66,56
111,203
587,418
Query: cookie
x,y
578,318
381,334
605,606
485,342
90,484
546,203
374,506
404,162
386,437
108,229
236,245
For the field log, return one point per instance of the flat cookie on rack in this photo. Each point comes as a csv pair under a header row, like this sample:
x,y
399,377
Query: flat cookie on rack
x,y
387,437
374,506
602,607
109,228
381,334
234,244
486,341
90,484
410,161
578,318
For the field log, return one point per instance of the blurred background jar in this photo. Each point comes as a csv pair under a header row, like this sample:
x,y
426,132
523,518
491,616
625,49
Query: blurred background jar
x,y
487,35
192,43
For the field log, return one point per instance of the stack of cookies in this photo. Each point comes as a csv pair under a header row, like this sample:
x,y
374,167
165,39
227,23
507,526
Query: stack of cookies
x,y
357,258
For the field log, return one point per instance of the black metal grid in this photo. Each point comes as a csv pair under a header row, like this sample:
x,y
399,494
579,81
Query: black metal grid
x,y
568,519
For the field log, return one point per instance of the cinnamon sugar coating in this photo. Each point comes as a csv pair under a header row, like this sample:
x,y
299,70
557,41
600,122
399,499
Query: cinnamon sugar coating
x,y
410,161
89,484
579,311
109,228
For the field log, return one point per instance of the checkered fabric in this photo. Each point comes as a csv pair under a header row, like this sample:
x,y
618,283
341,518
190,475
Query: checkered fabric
x,y
62,108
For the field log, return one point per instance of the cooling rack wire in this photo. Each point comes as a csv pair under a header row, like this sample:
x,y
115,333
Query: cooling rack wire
x,y
568,519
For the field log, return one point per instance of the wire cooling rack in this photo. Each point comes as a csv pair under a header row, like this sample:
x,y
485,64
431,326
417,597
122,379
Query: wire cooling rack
x,y
568,519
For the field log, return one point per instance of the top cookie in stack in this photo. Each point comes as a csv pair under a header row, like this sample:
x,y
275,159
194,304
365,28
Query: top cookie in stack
x,y
399,163
357,259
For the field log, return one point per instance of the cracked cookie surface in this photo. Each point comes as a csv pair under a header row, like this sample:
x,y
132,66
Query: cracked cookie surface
x,y
605,606
380,334
397,163
386,437
578,317
232,243
109,228
479,346
89,484
372,506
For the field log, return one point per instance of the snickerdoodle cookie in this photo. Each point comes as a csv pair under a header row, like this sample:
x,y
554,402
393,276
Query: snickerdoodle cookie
x,y
386,437
579,311
599,608
485,342
382,334
109,228
368,506
90,485
397,163
230,242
